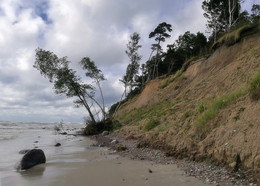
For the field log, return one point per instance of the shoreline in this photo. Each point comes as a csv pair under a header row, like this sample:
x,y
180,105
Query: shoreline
x,y
126,146
79,161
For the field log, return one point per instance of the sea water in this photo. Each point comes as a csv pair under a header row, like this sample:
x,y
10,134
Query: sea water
x,y
17,136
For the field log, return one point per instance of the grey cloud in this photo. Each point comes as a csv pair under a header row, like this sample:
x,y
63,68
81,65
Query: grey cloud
x,y
97,29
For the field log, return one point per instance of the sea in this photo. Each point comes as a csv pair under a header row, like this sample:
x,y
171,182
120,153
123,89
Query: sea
x,y
17,136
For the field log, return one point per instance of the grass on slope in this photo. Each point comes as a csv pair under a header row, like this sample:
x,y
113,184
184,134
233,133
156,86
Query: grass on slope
x,y
210,112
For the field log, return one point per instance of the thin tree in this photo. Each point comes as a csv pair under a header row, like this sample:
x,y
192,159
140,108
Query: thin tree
x,y
160,34
132,69
96,74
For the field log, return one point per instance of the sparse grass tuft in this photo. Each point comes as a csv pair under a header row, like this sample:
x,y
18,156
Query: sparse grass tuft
x,y
201,108
151,124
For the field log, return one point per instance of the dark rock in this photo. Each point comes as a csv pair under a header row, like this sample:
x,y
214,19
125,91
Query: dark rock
x,y
32,158
24,151
57,145
64,133
150,171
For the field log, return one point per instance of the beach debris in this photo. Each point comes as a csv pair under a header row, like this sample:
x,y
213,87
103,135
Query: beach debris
x,y
57,145
32,158
36,141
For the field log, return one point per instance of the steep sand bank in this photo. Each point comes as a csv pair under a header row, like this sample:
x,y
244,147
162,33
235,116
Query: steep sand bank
x,y
205,113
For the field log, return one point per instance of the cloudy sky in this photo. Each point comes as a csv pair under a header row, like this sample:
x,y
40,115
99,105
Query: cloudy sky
x,y
99,29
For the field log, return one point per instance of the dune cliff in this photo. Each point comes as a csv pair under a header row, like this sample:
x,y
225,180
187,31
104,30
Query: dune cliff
x,y
206,111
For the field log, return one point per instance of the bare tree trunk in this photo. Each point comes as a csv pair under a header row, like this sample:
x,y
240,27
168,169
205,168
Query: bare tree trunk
x,y
103,102
82,99
231,11
119,104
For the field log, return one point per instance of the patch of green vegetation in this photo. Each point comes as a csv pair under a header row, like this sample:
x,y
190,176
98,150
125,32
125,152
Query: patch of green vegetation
x,y
236,117
121,148
201,122
241,109
201,108
99,127
230,38
164,83
151,124
176,87
170,79
183,77
116,125
254,87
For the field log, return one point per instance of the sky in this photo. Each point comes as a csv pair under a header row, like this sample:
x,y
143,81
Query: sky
x,y
99,29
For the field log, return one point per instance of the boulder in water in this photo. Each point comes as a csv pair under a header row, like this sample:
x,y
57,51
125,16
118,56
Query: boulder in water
x,y
32,158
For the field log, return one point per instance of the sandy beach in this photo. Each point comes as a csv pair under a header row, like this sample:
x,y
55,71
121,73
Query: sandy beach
x,y
82,163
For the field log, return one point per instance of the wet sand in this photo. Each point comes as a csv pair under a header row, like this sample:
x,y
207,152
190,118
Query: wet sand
x,y
80,163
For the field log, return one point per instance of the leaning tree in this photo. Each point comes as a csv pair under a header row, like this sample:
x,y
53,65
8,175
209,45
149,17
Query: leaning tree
x,y
65,80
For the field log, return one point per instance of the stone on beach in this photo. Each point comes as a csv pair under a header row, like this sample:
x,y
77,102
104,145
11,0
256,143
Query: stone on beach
x,y
32,158
57,145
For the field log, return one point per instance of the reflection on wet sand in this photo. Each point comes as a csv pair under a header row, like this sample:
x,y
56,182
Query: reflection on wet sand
x,y
33,173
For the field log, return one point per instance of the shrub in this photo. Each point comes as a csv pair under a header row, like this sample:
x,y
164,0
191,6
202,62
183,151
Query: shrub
x,y
151,124
99,127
